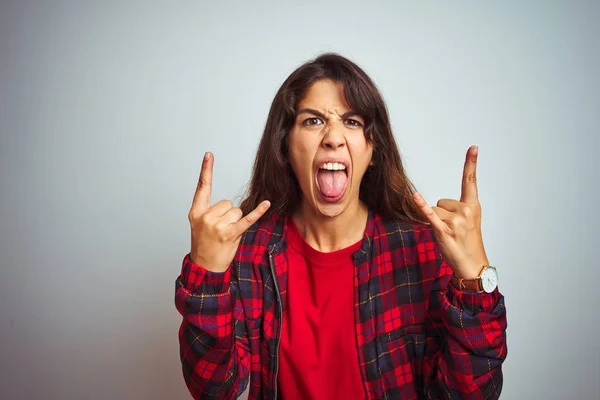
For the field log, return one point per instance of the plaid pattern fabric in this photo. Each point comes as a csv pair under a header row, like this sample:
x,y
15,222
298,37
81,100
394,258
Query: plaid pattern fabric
x,y
418,337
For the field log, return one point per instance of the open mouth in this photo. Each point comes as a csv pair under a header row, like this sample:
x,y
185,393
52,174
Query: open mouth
x,y
332,180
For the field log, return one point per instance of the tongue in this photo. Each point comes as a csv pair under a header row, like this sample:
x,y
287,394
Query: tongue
x,y
331,183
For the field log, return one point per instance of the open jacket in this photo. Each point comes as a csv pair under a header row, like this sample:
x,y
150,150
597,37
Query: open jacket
x,y
418,336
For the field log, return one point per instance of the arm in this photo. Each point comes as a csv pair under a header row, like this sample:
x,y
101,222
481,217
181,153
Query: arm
x,y
470,330
213,340
466,342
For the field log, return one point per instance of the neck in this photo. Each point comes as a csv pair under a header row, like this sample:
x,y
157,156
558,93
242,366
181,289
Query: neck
x,y
329,234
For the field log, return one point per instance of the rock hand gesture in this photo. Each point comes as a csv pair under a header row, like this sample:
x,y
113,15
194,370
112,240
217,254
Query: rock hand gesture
x,y
217,229
457,224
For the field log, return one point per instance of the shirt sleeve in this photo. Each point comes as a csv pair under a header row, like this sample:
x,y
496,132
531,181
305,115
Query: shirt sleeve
x,y
470,330
213,343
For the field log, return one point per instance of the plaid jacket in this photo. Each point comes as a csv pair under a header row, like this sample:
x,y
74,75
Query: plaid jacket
x,y
418,337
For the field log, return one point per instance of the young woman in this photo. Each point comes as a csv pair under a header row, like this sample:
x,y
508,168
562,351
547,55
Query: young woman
x,y
335,279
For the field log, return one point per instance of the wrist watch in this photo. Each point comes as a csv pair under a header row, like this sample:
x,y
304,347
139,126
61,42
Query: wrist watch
x,y
487,281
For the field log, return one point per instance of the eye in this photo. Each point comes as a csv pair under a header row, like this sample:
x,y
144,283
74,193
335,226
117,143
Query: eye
x,y
312,121
353,123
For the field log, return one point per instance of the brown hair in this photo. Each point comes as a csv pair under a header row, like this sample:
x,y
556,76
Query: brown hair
x,y
385,188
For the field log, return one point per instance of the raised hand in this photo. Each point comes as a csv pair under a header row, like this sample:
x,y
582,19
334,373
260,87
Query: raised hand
x,y
457,224
217,230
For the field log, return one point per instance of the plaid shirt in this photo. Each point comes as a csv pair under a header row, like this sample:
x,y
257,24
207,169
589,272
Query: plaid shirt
x,y
418,336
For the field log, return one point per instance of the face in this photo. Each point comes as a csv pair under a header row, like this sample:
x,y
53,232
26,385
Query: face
x,y
328,150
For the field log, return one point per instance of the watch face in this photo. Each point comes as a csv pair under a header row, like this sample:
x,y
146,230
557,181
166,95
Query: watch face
x,y
489,279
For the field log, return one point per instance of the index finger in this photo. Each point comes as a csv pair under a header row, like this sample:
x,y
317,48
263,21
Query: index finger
x,y
204,188
469,180
246,222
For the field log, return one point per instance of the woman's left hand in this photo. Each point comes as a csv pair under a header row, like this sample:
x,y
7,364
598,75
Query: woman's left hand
x,y
457,224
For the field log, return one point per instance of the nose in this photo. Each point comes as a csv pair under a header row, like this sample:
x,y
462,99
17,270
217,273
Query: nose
x,y
334,137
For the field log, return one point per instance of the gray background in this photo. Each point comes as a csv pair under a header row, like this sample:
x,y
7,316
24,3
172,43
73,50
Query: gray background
x,y
106,109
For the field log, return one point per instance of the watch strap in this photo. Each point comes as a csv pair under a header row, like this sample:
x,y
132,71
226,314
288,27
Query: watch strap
x,y
469,285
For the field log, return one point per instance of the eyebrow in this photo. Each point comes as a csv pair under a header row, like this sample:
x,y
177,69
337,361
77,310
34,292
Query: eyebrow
x,y
319,114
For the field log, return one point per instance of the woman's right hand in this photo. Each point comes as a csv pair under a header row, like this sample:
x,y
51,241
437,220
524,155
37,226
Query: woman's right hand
x,y
217,229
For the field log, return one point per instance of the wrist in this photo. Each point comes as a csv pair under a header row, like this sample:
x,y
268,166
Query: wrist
x,y
470,271
207,266
469,274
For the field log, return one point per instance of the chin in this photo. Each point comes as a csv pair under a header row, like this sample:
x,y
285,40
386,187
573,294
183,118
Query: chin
x,y
331,211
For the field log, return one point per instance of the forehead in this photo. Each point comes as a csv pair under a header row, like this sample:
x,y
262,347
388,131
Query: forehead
x,y
325,95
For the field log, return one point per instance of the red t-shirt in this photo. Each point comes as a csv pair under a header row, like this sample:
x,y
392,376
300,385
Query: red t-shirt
x,y
318,356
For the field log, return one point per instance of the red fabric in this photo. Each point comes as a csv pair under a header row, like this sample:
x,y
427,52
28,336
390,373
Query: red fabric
x,y
418,336
318,350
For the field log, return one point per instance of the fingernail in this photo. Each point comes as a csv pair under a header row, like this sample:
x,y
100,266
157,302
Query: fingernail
x,y
267,204
206,155
475,150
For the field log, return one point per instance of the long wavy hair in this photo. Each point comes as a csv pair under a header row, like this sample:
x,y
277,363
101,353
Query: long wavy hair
x,y
385,187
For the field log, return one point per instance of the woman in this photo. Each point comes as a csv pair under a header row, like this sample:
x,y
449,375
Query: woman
x,y
327,282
